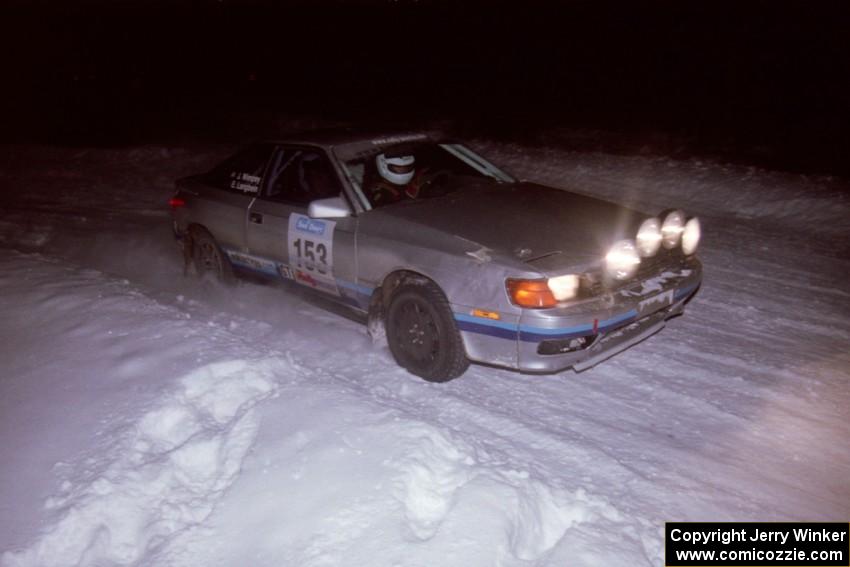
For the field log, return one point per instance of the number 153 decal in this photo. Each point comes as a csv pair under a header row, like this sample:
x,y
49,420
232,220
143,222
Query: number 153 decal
x,y
311,252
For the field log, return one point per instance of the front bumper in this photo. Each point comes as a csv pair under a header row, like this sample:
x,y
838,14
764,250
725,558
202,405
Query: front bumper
x,y
601,347
551,340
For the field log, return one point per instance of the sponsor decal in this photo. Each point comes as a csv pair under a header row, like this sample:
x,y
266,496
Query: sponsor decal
x,y
310,226
251,262
656,302
305,278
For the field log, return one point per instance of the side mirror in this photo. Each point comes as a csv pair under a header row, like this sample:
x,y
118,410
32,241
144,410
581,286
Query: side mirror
x,y
330,208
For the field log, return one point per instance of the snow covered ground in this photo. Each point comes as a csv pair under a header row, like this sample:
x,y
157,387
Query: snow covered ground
x,y
153,420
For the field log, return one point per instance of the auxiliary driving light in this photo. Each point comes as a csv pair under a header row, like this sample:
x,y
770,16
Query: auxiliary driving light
x,y
671,230
691,236
622,259
649,237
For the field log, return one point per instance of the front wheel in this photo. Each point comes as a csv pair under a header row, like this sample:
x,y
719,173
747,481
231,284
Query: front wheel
x,y
422,334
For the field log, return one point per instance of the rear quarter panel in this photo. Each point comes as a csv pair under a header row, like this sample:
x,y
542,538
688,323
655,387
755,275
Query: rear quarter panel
x,y
221,212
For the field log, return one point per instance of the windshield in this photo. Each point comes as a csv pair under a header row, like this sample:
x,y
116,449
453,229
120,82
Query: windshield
x,y
413,171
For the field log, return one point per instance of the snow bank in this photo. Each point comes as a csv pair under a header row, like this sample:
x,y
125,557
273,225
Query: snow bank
x,y
442,480
160,477
385,489
137,477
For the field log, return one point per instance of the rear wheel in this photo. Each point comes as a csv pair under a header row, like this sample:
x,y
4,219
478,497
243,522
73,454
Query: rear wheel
x,y
422,334
208,258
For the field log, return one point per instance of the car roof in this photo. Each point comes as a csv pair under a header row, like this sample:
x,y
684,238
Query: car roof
x,y
331,137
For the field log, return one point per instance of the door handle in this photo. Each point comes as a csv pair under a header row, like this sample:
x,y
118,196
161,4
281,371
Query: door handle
x,y
255,218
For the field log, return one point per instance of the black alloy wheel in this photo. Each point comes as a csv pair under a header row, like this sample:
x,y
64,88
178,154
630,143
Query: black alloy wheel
x,y
422,334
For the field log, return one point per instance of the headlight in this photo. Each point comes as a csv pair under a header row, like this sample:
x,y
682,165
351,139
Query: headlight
x,y
564,287
671,230
649,237
622,260
690,236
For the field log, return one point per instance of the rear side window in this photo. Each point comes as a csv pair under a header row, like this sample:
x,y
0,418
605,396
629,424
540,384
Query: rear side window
x,y
299,176
243,172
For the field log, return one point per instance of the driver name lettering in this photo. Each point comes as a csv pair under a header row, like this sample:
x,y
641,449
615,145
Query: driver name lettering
x,y
244,182
246,177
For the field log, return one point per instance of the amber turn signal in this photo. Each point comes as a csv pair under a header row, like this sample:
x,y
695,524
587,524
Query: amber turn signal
x,y
483,313
530,293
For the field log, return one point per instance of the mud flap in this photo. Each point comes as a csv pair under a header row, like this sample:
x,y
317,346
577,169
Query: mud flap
x,y
187,254
375,321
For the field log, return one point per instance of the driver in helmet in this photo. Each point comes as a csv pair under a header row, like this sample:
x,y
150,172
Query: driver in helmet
x,y
397,179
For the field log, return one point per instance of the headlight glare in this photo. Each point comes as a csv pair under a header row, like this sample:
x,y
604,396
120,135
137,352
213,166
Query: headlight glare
x,y
691,236
564,287
671,230
622,259
649,237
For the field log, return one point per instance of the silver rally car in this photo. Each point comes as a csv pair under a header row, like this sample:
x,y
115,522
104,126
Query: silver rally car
x,y
435,248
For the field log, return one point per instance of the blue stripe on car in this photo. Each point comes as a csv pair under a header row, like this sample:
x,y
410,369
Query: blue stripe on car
x,y
361,293
530,333
684,291
356,288
536,334
476,325
500,329
356,294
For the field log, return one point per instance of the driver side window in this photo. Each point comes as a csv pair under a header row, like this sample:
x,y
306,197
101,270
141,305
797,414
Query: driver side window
x,y
243,172
298,176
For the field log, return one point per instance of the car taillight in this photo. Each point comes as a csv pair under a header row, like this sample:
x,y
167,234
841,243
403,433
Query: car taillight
x,y
531,293
176,202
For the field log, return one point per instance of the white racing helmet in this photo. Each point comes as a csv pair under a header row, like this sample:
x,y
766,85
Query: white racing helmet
x,y
398,170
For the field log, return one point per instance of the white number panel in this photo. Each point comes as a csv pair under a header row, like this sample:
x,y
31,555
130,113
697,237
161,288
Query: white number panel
x,y
311,243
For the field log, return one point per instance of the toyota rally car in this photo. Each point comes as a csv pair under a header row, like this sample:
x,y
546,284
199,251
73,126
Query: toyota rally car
x,y
440,251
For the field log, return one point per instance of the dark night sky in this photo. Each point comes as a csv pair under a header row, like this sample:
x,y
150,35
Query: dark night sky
x,y
759,74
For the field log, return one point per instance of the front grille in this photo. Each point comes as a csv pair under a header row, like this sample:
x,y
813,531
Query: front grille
x,y
664,259
597,282
563,346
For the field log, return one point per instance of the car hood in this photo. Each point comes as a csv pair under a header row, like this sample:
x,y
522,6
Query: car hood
x,y
549,229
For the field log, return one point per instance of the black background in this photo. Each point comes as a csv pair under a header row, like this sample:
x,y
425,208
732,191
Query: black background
x,y
757,81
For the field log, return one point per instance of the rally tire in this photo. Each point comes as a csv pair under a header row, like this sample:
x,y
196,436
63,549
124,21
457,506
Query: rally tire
x,y
208,259
422,334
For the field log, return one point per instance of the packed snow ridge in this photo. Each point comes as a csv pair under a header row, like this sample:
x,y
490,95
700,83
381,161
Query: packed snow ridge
x,y
159,477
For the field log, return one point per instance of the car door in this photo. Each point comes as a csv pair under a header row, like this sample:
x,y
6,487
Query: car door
x,y
316,253
221,198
